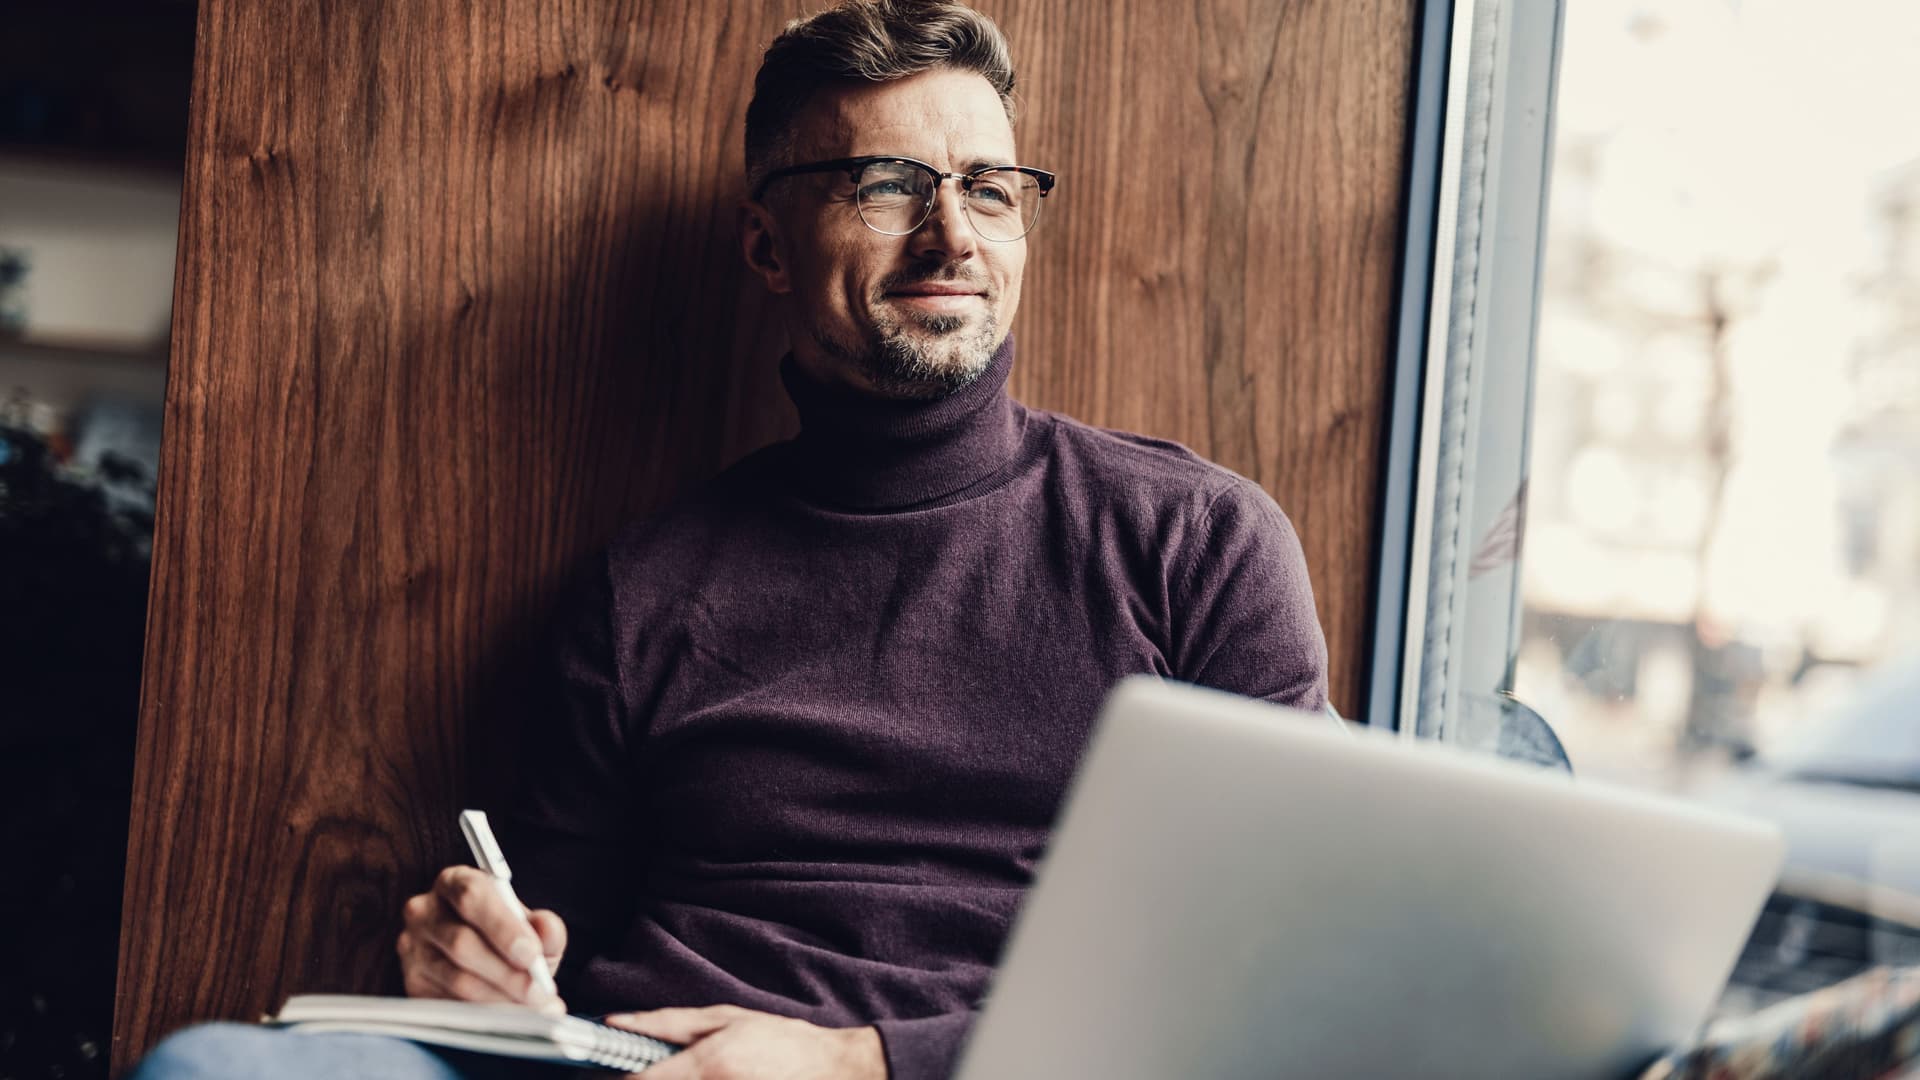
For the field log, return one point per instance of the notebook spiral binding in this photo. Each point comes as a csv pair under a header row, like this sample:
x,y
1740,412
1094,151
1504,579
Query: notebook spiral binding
x,y
626,1049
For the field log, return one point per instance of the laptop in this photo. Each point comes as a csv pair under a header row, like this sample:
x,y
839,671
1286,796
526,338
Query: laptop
x,y
1239,890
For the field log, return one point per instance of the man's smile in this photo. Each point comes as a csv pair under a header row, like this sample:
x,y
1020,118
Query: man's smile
x,y
937,296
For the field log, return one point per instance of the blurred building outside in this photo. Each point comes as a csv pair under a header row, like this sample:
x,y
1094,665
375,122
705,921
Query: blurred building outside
x,y
83,357
92,141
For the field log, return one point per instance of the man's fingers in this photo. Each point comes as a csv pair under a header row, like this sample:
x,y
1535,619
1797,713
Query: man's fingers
x,y
432,975
553,935
421,909
461,946
457,930
430,969
681,1026
476,899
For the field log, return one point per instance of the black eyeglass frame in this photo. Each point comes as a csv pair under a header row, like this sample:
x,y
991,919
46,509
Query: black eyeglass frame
x,y
854,166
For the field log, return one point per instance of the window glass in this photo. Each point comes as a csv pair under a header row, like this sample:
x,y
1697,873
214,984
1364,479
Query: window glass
x,y
1720,586
93,135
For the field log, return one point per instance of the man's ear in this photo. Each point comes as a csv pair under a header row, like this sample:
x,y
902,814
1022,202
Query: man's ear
x,y
763,246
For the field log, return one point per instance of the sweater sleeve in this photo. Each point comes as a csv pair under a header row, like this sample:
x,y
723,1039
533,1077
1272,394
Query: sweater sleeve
x,y
1243,617
572,825
924,1048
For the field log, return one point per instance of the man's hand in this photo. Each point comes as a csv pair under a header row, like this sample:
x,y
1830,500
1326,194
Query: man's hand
x,y
726,1042
464,940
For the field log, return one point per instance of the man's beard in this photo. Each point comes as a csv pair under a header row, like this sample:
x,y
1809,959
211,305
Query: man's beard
x,y
920,355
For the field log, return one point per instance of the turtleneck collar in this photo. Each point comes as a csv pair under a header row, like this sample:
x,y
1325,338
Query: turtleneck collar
x,y
865,452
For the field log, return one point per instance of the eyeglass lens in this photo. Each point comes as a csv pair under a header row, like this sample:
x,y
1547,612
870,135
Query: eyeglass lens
x,y
895,198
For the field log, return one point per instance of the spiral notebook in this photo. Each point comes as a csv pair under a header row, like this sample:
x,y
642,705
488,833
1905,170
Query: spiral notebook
x,y
508,1030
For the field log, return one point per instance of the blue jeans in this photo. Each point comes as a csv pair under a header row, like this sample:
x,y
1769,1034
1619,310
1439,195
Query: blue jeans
x,y
247,1052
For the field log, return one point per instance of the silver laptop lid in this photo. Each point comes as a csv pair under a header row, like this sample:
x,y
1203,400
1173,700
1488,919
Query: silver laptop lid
x,y
1239,890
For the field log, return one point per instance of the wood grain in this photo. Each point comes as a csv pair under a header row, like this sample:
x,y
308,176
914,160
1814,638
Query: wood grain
x,y
458,294
1218,268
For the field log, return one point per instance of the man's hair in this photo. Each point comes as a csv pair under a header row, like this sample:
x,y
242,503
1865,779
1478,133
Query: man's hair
x,y
865,41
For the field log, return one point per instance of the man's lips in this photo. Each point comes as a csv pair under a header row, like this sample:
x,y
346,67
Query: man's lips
x,y
937,297
934,290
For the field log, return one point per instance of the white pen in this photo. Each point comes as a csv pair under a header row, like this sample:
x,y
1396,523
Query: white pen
x,y
486,853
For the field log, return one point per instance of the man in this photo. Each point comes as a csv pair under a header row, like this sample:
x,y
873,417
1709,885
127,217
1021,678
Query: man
x,y
815,721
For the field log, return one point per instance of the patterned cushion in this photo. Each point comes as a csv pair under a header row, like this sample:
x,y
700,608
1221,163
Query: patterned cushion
x,y
1866,1027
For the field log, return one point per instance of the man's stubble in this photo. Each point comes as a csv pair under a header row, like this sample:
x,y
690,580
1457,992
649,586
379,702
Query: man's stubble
x,y
940,359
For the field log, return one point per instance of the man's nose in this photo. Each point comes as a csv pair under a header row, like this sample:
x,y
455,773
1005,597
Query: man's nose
x,y
946,232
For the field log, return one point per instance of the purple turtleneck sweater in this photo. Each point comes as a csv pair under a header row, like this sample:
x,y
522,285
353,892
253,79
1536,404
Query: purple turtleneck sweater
x,y
817,719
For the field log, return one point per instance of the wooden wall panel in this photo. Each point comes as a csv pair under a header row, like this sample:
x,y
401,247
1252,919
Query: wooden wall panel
x,y
458,293
1219,266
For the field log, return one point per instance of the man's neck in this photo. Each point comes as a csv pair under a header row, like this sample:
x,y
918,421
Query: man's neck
x,y
872,451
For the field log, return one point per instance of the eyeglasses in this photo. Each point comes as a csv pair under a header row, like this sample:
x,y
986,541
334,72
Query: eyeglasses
x,y
895,194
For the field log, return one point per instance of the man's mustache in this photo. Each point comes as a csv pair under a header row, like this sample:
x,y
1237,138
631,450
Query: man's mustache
x,y
948,274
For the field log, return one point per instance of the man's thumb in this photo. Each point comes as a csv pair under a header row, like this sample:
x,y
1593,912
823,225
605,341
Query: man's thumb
x,y
552,931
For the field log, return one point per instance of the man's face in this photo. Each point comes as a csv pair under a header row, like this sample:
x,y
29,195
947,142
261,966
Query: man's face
x,y
915,315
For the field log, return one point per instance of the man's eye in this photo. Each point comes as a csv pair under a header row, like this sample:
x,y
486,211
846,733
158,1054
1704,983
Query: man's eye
x,y
986,192
884,189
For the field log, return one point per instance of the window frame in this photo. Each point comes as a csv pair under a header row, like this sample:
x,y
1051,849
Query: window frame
x,y
1459,416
